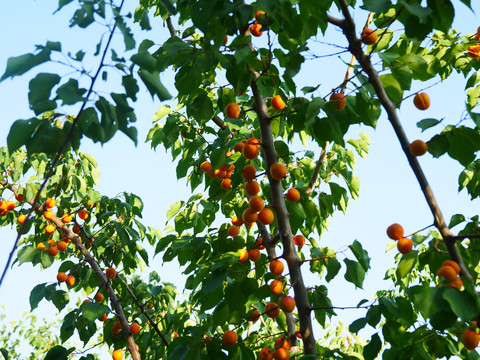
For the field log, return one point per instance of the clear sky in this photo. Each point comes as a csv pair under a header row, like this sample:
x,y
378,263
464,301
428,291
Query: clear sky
x,y
389,192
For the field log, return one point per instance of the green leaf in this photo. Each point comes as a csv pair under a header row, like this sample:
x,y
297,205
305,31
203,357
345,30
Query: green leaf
x,y
161,112
424,299
92,311
455,220
201,108
213,281
21,64
377,6
357,325
392,87
60,299
355,273
333,267
372,349
39,95
70,93
417,10
174,209
406,264
36,295
58,353
462,303
27,254
427,123
313,109
360,254
4,353
68,325
153,84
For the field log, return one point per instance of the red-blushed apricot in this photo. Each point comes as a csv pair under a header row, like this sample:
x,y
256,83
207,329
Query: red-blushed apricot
x,y
233,230
226,184
395,231
76,229
229,338
299,240
103,317
61,277
278,103
116,327
405,245
278,171
249,172
206,166
272,310
421,101
452,264
66,218
134,328
266,216
258,244
243,255
281,354
293,195
265,354
53,250
254,255
470,338
256,29
41,246
250,151
249,216
83,214
117,355
236,221
282,342
258,13
254,316
98,297
50,229
111,273
369,36
256,203
10,205
19,197
418,148
276,287
239,146
251,188
276,267
287,304
62,246
340,99
232,111
473,51
70,280
220,173
447,272
50,203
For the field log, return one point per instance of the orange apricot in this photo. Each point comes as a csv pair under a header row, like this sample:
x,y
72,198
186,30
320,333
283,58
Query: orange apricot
x,y
258,13
53,250
61,277
229,338
470,338
281,354
276,267
447,272
243,255
50,203
10,205
21,218
117,355
249,216
278,103
117,327
70,280
48,215
473,51
251,188
206,166
278,171
258,244
299,240
405,245
76,229
67,218
232,111
421,101
83,214
249,172
286,303
236,221
134,328
254,316
103,317
369,36
62,246
50,229
265,354
340,99
250,151
418,148
98,297
276,287
293,195
256,204
395,231
111,273
452,264
239,146
41,246
256,29
272,310
226,184
233,230
266,216
254,255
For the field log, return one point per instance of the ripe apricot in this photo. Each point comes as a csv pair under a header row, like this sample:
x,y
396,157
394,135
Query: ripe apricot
x,y
265,354
418,148
258,13
134,328
239,146
225,40
256,29
421,101
266,216
278,171
293,195
70,280
103,317
452,264
258,244
21,218
405,245
41,246
249,216
220,173
243,255
117,327
249,172
251,188
254,255
299,240
229,338
98,297
447,272
67,218
117,355
61,277
50,203
19,197
48,215
340,99
226,184
282,342
272,310
50,229
111,273
232,111
276,267
470,338
206,166
278,103
236,221
256,204
281,354
53,250
233,230
10,205
286,303
250,151
457,283
276,287
395,231
369,36
473,51
76,229
254,316
62,246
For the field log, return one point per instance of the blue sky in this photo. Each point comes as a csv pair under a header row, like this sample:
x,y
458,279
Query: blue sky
x,y
389,192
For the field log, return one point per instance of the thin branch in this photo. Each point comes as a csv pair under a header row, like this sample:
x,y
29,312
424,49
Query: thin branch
x,y
317,169
220,123
170,27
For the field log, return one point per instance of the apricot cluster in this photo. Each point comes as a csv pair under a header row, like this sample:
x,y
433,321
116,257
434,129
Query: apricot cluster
x,y
396,232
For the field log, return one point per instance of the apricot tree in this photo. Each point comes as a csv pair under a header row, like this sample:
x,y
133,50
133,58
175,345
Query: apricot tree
x,y
240,127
